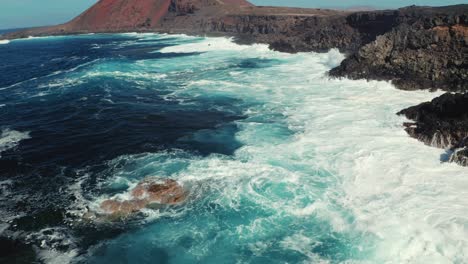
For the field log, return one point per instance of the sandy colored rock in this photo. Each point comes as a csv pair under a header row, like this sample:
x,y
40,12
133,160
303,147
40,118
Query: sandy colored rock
x,y
159,191
149,192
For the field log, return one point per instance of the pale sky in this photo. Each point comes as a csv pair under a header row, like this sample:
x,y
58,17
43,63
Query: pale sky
x,y
28,13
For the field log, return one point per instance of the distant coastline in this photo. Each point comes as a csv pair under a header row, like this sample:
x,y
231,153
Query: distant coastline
x,y
11,30
412,47
395,45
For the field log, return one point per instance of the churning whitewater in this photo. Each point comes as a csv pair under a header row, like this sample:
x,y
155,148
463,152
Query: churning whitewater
x,y
282,164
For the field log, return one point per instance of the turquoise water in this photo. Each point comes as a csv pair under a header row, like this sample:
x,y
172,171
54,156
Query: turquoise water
x,y
284,166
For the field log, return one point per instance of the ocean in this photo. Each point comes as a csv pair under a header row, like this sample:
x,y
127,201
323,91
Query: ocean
x,y
282,164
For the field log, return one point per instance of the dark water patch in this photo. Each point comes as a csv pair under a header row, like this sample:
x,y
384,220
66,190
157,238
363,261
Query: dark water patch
x,y
78,129
68,130
218,140
255,63
27,59
14,251
38,58
149,254
46,218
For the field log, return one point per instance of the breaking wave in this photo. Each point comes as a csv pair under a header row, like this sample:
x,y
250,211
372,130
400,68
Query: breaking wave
x,y
310,169
11,138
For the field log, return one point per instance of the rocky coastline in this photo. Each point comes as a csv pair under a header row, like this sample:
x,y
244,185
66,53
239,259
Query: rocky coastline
x,y
427,49
442,123
413,47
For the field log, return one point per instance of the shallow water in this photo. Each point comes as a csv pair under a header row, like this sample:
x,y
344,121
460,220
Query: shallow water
x,y
283,164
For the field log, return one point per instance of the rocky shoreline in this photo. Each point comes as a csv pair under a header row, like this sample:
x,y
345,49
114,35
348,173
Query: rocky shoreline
x,y
427,49
413,47
442,123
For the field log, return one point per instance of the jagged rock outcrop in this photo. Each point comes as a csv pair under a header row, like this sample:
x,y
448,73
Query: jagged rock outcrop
x,y
427,49
293,34
442,123
460,153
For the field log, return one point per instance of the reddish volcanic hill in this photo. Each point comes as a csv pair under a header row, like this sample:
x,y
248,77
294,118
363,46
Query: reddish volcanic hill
x,y
118,15
181,16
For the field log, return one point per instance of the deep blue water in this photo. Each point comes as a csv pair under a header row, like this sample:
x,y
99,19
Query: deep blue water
x,y
280,163
81,126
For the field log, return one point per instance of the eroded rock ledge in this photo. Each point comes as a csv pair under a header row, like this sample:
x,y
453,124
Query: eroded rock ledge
x,y
429,53
442,123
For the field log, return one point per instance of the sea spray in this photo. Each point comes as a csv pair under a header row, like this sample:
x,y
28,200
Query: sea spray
x,y
283,163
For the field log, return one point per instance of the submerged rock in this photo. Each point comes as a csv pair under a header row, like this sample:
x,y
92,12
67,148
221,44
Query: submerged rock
x,y
442,123
151,192
156,191
122,207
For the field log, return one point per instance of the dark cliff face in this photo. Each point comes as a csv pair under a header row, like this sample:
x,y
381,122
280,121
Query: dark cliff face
x,y
426,49
291,34
442,123
415,48
289,30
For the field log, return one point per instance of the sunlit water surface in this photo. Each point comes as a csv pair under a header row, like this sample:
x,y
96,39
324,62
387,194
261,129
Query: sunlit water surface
x,y
283,164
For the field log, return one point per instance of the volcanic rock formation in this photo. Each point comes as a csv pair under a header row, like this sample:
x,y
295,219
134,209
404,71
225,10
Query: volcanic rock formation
x,y
442,123
426,49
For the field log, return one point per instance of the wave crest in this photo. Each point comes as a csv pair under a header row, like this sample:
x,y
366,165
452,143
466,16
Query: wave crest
x,y
11,138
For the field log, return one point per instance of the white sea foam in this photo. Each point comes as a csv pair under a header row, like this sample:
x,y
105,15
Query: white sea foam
x,y
60,83
4,41
212,44
126,75
57,245
43,37
16,84
37,38
11,138
316,152
394,186
53,256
